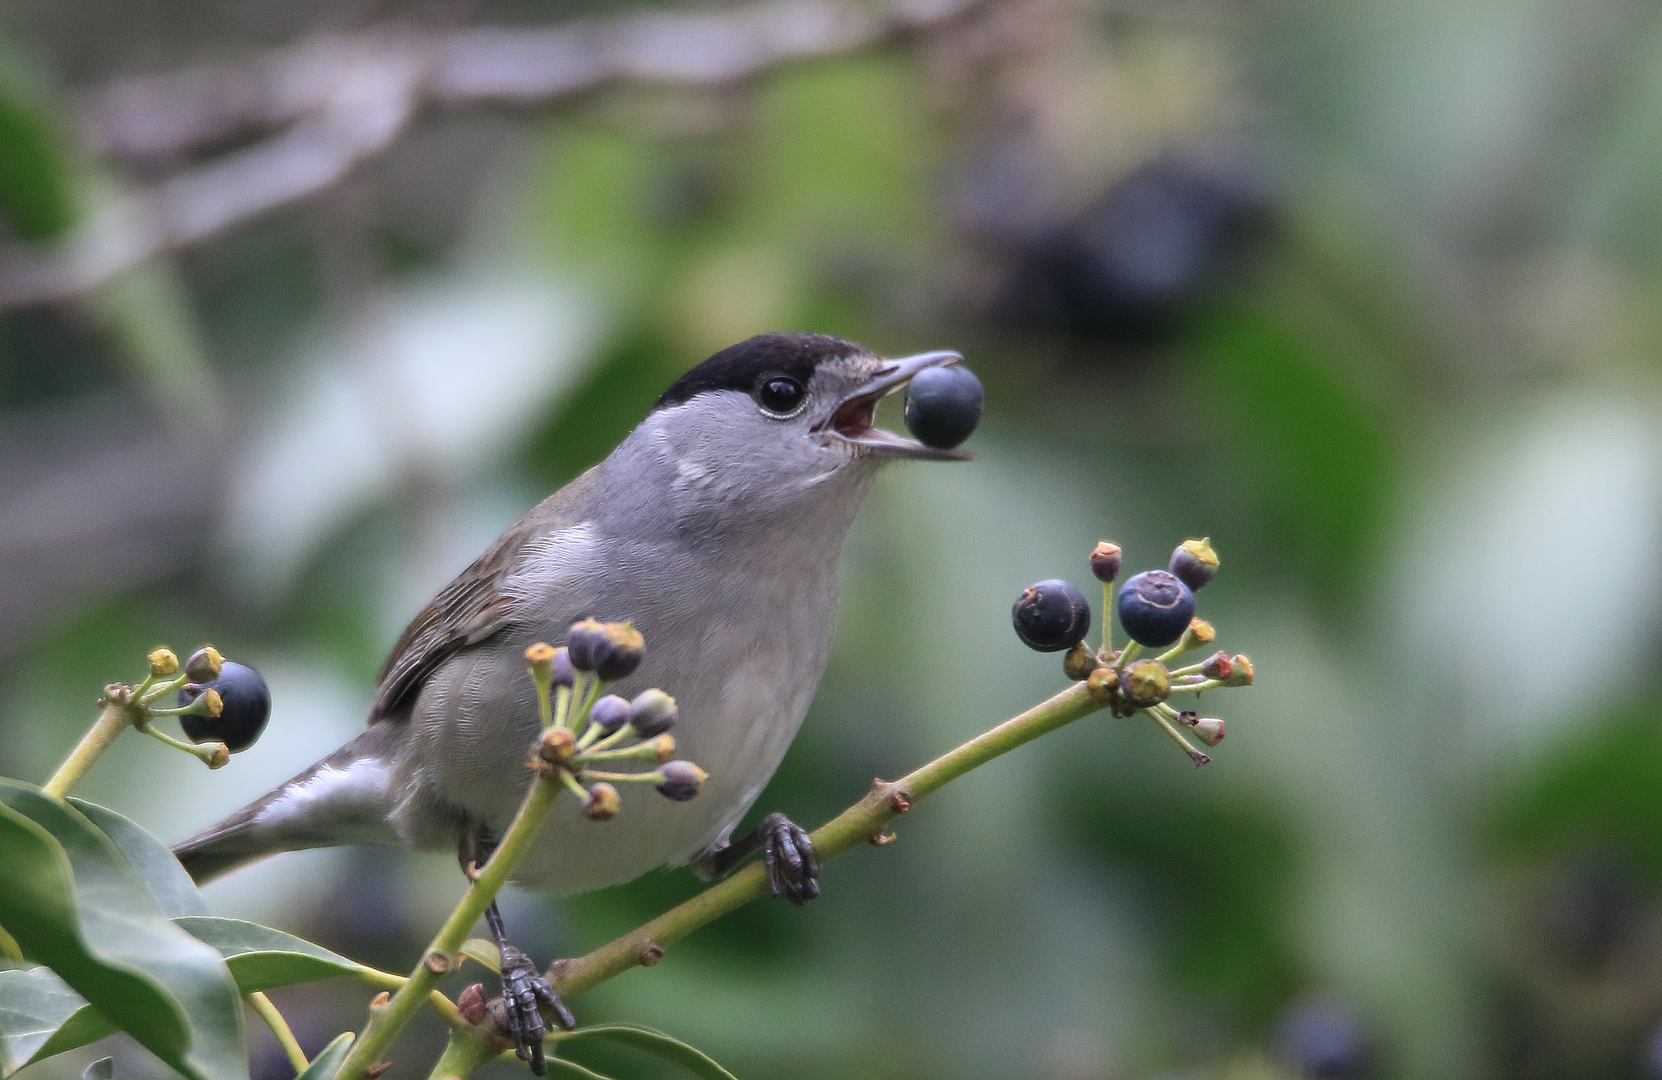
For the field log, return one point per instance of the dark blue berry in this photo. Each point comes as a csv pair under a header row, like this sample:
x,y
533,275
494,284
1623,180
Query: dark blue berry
x,y
247,707
682,780
652,713
1051,616
1193,563
610,650
1155,608
943,405
610,713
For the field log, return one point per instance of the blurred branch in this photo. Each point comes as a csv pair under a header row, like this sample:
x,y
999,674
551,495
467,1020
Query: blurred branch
x,y
320,109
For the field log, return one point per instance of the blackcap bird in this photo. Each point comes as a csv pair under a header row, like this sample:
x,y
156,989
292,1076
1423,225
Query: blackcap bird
x,y
715,528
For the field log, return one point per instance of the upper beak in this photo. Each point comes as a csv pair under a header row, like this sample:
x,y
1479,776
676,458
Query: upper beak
x,y
851,421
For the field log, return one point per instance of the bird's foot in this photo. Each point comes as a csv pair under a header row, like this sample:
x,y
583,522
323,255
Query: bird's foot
x,y
525,993
793,868
788,854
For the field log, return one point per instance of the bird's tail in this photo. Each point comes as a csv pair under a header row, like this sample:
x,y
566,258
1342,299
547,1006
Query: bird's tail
x,y
343,799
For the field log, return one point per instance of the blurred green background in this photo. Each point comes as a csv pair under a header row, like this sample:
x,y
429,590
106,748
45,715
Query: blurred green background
x,y
1366,293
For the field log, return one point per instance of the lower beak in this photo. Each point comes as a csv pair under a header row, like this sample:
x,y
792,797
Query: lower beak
x,y
851,422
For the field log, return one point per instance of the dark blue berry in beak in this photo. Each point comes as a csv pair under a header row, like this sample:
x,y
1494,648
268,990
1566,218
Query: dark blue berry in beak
x,y
943,405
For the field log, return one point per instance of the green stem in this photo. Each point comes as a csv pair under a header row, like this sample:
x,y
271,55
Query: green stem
x,y
1107,616
860,824
115,719
280,1028
205,753
386,1021
1196,755
466,1051
1131,650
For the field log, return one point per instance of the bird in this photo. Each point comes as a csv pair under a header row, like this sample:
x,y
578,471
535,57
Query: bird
x,y
715,528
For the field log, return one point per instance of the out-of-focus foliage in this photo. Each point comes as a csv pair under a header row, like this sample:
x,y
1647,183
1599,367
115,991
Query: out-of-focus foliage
x,y
1411,396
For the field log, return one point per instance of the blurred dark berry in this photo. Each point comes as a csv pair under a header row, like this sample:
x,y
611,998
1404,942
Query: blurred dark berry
x,y
652,713
610,713
1105,561
1135,261
1155,608
609,650
1194,562
247,707
1051,616
1323,1042
943,405
682,780
1651,1063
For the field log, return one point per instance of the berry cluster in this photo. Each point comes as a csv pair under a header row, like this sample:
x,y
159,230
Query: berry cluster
x,y
583,728
218,702
1156,608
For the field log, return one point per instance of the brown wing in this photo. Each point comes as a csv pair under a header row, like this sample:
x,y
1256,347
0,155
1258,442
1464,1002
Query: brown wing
x,y
470,609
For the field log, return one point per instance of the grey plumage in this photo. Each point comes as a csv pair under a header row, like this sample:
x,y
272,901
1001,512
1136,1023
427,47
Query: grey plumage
x,y
715,526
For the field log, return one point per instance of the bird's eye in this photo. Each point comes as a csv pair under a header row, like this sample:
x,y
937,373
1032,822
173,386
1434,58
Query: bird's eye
x,y
780,396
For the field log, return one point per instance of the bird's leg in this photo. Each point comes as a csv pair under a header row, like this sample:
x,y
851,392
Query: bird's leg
x,y
793,869
525,993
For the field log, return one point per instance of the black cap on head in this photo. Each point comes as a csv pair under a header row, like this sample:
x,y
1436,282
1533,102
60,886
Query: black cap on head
x,y
740,367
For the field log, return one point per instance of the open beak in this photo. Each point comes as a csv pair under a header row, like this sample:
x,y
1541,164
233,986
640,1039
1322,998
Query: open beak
x,y
851,422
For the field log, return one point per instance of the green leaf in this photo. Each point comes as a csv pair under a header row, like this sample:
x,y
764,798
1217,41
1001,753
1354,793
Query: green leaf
x,y
175,893
571,1068
653,1042
41,1016
483,952
72,903
36,195
327,1063
261,958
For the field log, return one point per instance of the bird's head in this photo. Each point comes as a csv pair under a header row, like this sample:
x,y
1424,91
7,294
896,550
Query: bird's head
x,y
777,422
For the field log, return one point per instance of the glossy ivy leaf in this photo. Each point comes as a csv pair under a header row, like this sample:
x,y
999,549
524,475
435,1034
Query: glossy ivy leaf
x,y
483,952
653,1042
328,1062
71,901
40,1015
261,958
173,890
102,1069
562,1067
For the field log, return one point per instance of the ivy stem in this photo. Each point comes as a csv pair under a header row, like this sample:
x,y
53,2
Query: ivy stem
x,y
860,824
466,1051
280,1028
115,719
387,1020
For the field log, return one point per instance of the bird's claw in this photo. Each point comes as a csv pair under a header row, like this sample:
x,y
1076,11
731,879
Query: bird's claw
x,y
793,868
525,993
